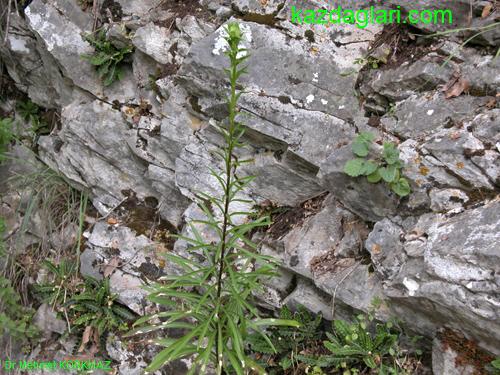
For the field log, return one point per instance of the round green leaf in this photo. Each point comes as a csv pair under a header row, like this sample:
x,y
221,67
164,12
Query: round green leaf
x,y
360,148
354,167
374,177
366,137
369,167
401,187
390,153
388,173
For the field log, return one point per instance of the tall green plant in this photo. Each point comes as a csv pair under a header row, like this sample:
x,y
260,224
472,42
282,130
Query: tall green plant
x,y
211,301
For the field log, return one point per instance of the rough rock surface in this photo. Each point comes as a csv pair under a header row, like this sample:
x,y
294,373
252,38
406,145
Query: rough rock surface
x,y
431,257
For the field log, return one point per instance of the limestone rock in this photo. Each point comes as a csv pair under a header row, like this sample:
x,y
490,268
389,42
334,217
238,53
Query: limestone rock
x,y
443,271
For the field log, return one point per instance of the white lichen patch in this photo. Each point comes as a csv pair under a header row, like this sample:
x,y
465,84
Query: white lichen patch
x,y
324,102
411,285
309,98
18,44
430,112
221,45
315,77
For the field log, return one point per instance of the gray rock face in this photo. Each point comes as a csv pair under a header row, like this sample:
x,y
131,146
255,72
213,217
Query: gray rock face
x,y
46,320
154,41
258,7
305,99
117,252
32,67
444,361
66,47
444,265
102,158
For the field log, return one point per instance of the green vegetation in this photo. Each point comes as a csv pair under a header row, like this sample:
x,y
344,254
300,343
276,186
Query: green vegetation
x,y
358,347
64,279
6,136
211,300
371,61
107,59
386,166
31,113
353,346
15,319
287,342
87,305
495,366
95,306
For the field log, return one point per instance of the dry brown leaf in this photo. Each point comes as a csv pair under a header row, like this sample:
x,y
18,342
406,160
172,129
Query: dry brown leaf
x,y
112,221
487,10
492,103
459,87
85,338
111,266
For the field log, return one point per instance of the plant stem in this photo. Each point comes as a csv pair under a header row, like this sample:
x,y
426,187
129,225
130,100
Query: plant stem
x,y
233,45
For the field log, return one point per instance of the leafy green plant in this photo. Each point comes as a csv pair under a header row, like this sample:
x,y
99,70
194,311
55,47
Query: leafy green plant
x,y
358,345
30,112
95,306
107,59
6,136
211,299
386,166
63,284
15,319
494,366
287,342
371,61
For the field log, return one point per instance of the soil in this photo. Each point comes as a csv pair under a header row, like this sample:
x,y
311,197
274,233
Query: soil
x,y
182,8
291,217
403,44
467,350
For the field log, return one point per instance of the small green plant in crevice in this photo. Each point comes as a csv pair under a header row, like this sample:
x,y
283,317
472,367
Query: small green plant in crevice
x,y
31,113
6,136
288,342
494,366
93,308
360,346
63,284
385,166
107,59
15,319
370,61
211,299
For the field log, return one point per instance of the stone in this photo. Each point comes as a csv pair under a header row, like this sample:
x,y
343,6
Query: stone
x,y
350,191
444,360
194,28
223,12
32,67
117,34
443,200
422,114
402,82
442,271
267,7
63,39
47,321
307,295
138,8
332,230
454,148
154,41
135,256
